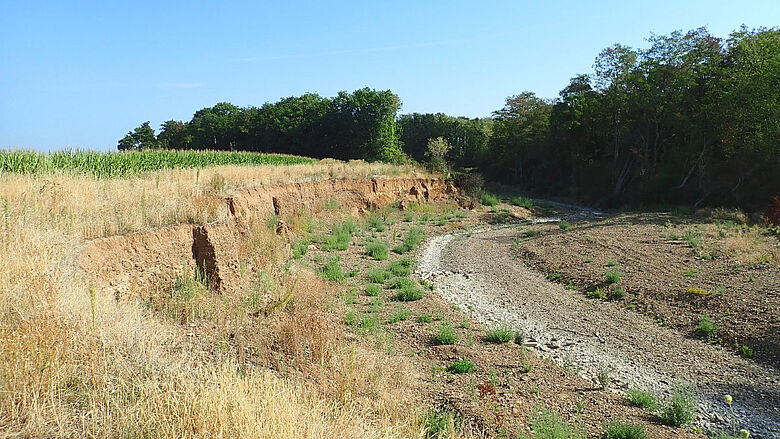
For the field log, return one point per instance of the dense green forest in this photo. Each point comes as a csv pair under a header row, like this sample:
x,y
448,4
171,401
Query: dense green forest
x,y
691,119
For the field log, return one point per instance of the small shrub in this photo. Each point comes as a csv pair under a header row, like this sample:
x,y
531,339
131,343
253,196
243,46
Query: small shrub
x,y
425,318
339,237
369,324
401,267
488,199
375,222
548,424
529,233
461,366
746,351
332,269
621,430
612,276
642,399
522,202
300,248
598,293
690,273
439,424
692,238
604,376
500,335
617,293
680,410
554,275
412,240
373,290
409,294
350,318
446,335
377,250
397,283
706,327
399,316
611,263
378,275
564,225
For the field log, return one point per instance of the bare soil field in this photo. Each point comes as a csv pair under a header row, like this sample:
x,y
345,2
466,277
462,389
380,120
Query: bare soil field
x,y
675,269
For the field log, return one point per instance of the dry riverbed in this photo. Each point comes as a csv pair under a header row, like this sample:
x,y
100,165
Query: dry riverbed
x,y
500,280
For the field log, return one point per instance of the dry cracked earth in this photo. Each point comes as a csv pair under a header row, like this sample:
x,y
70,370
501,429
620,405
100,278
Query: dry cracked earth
x,y
479,272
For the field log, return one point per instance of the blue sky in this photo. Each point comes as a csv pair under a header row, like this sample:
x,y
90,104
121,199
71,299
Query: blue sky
x,y
82,74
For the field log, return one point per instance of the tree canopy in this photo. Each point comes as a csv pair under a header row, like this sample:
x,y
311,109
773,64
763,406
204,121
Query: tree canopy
x,y
690,119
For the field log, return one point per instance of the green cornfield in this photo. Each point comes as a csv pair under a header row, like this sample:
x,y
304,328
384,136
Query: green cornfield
x,y
129,163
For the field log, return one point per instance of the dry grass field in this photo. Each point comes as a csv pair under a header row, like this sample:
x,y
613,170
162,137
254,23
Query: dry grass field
x,y
75,363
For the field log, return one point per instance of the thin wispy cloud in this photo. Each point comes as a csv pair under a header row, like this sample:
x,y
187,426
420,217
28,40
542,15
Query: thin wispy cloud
x,y
374,49
180,85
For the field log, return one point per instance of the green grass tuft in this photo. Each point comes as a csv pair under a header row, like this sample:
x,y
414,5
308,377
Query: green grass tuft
x,y
501,335
622,430
642,399
461,366
680,409
488,199
612,276
446,335
332,269
377,250
412,240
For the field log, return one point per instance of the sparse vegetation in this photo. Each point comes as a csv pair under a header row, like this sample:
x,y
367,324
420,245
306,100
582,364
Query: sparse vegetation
x,y
377,250
378,275
501,335
412,240
617,293
681,409
339,237
642,399
604,376
401,267
409,293
461,366
522,202
622,430
446,335
488,199
332,269
564,225
612,276
400,315
548,424
373,290
598,293
706,327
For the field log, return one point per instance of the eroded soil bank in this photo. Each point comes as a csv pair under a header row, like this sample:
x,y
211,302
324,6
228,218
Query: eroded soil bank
x,y
133,265
483,273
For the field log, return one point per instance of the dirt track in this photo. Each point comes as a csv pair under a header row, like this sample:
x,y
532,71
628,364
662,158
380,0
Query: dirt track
x,y
480,273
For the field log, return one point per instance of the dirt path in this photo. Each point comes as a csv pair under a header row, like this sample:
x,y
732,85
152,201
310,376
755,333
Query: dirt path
x,y
479,273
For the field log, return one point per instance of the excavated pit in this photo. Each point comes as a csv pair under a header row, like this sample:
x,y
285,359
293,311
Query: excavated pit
x,y
134,265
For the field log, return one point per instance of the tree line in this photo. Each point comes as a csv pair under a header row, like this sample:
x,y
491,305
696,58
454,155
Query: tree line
x,y
350,125
691,119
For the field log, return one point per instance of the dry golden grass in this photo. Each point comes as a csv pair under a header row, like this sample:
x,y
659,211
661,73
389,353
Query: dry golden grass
x,y
75,363
95,208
